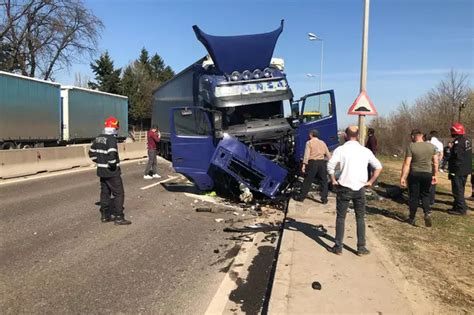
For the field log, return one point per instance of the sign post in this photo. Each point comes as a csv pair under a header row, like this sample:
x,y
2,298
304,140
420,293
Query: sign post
x,y
363,70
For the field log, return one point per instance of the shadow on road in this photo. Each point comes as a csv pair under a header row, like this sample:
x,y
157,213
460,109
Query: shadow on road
x,y
182,188
316,234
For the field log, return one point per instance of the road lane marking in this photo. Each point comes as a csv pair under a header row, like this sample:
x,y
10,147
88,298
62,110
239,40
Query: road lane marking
x,y
26,178
160,182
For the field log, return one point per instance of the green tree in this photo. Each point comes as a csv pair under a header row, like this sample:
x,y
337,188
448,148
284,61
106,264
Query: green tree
x,y
139,81
106,76
159,70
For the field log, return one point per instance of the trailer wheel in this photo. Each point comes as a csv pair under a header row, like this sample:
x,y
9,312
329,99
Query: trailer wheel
x,y
26,146
8,146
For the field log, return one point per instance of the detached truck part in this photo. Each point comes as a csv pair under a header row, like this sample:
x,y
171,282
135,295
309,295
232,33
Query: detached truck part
x,y
222,119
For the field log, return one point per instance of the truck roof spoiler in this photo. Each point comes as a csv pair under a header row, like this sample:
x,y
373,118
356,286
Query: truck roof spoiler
x,y
239,53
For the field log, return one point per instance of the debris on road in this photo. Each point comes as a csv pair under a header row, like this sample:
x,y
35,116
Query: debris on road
x,y
316,285
246,195
258,227
203,209
219,220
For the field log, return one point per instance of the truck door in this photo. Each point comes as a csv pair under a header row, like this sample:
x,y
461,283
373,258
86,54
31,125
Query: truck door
x,y
318,111
192,145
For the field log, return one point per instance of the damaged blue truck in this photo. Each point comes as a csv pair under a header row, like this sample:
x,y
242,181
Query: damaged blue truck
x,y
223,122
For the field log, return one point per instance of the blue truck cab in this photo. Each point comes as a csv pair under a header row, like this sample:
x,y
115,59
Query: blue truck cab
x,y
222,119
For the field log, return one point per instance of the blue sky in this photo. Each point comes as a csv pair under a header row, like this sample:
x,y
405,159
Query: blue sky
x,y
412,43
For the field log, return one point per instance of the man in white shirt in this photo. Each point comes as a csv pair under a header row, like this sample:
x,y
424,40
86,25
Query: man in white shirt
x,y
439,150
353,160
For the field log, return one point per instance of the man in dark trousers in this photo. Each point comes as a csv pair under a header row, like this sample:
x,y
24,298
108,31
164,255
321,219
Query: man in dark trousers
x,y
419,172
459,167
352,159
315,166
153,137
104,153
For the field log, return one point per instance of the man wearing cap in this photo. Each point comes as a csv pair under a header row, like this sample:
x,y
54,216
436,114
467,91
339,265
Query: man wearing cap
x,y
459,167
353,159
104,153
314,166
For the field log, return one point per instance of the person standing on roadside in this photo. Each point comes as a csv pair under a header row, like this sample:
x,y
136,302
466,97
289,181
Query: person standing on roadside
x,y
459,167
153,137
353,160
420,168
104,153
439,150
372,145
315,166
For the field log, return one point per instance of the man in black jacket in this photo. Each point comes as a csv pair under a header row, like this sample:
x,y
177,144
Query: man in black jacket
x,y
459,167
104,153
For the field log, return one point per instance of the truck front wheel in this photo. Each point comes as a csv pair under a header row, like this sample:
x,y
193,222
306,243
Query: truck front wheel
x,y
8,146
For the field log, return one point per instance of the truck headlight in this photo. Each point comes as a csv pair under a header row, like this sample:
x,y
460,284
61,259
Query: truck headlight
x,y
257,74
235,76
246,75
267,73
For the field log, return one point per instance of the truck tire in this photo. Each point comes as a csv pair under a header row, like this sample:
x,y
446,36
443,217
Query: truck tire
x,y
8,146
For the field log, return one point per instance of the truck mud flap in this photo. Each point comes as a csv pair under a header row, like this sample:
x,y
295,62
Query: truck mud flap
x,y
248,167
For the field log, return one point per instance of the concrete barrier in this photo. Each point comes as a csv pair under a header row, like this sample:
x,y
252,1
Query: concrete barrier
x,y
63,158
135,150
15,163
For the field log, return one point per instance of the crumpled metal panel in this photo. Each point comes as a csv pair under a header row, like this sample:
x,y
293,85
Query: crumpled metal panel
x,y
248,166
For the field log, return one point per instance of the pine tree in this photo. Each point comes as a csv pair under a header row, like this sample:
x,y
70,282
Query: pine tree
x,y
159,71
139,81
106,76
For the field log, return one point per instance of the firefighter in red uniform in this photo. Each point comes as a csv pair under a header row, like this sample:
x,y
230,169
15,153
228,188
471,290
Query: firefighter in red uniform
x,y
105,154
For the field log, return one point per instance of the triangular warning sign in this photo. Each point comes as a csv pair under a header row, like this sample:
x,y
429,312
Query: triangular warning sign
x,y
362,106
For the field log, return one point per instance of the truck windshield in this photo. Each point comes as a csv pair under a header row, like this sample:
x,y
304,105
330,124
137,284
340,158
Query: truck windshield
x,y
241,114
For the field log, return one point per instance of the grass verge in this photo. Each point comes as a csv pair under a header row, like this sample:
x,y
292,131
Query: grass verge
x,y
439,258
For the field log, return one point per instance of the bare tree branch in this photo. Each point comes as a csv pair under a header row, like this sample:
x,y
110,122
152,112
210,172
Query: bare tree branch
x,y
48,35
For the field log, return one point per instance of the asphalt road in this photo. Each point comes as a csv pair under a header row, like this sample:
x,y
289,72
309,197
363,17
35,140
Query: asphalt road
x,y
57,257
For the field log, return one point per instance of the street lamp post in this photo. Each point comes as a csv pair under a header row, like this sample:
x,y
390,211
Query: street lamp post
x,y
314,37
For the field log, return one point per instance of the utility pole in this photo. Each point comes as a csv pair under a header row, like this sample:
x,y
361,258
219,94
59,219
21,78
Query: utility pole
x,y
363,69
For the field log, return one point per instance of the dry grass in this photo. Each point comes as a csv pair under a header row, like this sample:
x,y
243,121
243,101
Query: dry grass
x,y
439,258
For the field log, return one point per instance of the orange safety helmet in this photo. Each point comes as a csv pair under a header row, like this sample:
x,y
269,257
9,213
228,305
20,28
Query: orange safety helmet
x,y
112,122
457,129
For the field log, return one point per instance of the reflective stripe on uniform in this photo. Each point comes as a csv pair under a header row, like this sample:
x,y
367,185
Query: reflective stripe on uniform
x,y
112,161
106,165
103,151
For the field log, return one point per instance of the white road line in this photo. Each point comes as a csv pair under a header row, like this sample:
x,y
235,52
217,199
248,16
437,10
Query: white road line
x,y
160,182
58,173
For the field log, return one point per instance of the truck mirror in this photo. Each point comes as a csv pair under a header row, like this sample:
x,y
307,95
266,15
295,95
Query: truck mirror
x,y
295,109
217,120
